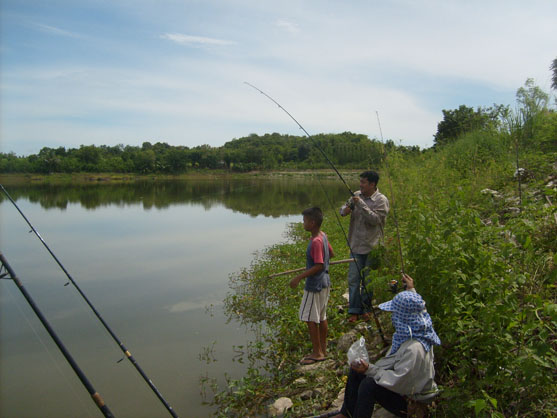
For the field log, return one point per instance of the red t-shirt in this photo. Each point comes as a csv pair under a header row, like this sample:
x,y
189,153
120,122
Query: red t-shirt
x,y
316,251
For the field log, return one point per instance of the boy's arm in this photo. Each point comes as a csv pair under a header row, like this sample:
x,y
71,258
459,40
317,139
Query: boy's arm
x,y
310,272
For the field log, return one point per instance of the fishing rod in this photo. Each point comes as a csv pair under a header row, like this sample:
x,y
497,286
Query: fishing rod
x,y
284,273
392,196
6,272
97,314
518,170
308,135
362,279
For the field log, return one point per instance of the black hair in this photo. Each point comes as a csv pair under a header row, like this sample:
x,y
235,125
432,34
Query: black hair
x,y
370,176
315,214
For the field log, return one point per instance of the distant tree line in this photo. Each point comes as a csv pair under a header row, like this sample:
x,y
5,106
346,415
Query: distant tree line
x,y
254,152
532,117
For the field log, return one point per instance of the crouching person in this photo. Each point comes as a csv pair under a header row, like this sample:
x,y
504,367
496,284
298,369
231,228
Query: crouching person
x,y
406,372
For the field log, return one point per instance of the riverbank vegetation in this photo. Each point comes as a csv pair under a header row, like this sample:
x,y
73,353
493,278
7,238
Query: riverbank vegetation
x,y
254,152
478,227
478,236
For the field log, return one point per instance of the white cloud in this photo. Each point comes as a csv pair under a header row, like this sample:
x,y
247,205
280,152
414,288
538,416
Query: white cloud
x,y
196,40
56,31
287,25
405,59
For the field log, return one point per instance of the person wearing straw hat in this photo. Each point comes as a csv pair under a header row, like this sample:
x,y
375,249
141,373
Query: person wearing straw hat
x,y
406,372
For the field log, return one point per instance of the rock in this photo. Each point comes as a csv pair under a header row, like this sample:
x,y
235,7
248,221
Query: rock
x,y
300,381
308,394
279,407
310,368
337,403
493,193
512,210
383,413
346,340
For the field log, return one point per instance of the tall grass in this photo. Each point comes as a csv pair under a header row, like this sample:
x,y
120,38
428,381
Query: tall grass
x,y
486,270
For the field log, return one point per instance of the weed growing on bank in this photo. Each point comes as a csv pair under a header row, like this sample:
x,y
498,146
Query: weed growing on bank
x,y
483,256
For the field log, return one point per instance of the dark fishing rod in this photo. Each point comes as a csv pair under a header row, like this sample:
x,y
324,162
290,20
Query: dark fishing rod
x,y
392,196
6,272
362,279
314,142
97,314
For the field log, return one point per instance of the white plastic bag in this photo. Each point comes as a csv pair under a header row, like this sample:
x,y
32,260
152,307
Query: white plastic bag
x,y
358,353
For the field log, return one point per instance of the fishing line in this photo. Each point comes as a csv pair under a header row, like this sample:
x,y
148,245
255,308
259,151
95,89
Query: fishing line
x,y
362,279
96,397
97,314
358,267
392,195
65,378
308,135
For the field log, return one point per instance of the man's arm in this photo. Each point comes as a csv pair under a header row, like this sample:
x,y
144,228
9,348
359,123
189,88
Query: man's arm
x,y
375,216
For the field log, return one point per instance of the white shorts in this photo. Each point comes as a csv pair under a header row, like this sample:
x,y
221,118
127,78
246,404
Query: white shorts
x,y
313,307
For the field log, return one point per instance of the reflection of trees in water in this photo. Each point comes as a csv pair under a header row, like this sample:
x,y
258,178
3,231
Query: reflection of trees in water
x,y
268,197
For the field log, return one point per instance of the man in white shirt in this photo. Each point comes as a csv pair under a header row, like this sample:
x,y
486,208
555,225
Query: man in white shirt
x,y
368,210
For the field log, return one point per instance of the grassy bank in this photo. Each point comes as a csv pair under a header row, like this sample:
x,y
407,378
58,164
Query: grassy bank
x,y
483,255
84,178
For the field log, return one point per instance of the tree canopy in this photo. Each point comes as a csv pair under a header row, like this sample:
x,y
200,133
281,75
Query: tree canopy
x,y
254,152
554,76
465,119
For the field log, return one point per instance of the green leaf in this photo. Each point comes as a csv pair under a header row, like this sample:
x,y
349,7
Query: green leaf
x,y
479,405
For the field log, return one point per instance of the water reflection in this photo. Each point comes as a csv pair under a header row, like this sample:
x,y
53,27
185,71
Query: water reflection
x,y
270,197
151,256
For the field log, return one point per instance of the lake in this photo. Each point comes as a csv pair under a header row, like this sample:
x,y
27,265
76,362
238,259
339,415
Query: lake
x,y
154,258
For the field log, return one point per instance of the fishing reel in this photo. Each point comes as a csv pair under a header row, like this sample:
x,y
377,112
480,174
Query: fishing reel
x,y
393,285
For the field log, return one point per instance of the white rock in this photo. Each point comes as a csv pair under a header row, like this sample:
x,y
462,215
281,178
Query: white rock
x,y
300,381
280,406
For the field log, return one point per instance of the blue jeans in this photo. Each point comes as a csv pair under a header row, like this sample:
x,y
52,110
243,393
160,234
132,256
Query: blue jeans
x,y
359,300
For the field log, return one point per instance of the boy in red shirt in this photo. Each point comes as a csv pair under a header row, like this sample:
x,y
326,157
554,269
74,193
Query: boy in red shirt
x,y
313,308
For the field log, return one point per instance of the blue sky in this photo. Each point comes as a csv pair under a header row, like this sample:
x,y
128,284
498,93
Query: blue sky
x,y
76,72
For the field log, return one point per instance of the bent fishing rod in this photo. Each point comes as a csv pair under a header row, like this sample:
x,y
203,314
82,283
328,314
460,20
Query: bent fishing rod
x,y
97,314
362,279
306,132
6,272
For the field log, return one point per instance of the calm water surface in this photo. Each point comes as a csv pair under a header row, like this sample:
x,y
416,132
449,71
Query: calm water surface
x,y
154,259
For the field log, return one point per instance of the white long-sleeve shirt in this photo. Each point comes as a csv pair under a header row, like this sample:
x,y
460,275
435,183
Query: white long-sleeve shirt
x,y
367,221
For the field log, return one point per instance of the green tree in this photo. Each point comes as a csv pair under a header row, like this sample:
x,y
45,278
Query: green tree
x,y
532,98
532,101
464,119
89,156
144,161
554,77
